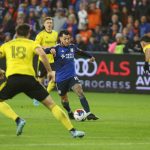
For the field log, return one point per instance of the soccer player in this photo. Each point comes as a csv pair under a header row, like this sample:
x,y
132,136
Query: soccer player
x,y
46,38
66,78
20,75
9,112
145,43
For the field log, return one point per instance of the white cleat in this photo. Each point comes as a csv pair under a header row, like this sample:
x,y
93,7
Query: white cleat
x,y
77,133
20,126
36,102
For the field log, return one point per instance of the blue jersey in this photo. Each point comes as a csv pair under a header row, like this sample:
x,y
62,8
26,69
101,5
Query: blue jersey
x,y
64,61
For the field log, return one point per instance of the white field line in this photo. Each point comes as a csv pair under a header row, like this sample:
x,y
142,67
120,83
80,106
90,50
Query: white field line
x,y
87,137
73,144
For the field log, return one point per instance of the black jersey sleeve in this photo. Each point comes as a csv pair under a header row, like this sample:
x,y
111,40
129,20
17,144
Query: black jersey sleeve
x,y
82,53
47,50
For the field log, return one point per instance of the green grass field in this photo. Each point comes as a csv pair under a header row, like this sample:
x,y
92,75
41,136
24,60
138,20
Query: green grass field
x,y
124,125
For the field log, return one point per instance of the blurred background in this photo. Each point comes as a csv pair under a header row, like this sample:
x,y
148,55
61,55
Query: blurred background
x,y
94,24
110,29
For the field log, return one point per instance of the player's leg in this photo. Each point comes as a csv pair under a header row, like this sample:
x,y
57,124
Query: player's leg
x,y
41,72
65,103
51,84
77,88
38,92
41,81
60,115
57,112
6,110
8,91
74,84
62,88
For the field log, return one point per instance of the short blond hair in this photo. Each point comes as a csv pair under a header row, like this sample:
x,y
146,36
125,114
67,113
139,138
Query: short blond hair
x,y
48,18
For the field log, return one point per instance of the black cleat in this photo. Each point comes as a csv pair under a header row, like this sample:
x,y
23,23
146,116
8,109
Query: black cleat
x,y
91,117
71,116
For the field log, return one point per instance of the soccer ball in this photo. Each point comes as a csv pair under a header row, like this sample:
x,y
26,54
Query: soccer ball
x,y
79,114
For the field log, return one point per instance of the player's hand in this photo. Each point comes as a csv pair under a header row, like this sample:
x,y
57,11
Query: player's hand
x,y
51,76
53,51
2,74
92,59
146,68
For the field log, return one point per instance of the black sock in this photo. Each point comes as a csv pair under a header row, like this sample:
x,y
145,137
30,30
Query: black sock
x,y
17,120
66,106
73,129
84,104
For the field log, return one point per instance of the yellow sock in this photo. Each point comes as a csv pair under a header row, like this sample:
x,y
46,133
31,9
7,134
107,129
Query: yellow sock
x,y
61,116
50,86
7,111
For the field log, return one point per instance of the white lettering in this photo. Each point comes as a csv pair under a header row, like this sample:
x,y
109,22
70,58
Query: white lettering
x,y
140,81
106,84
143,80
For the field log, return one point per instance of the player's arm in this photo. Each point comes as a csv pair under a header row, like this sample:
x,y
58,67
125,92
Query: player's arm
x,y
1,56
2,74
2,51
44,59
50,50
38,40
147,54
147,58
84,54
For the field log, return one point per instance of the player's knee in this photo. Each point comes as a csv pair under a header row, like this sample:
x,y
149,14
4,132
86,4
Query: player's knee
x,y
77,88
81,96
41,80
80,93
64,99
48,101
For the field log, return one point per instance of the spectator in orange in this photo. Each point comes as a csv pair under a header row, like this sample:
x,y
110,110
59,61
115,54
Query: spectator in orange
x,y
115,9
124,16
94,16
112,3
86,33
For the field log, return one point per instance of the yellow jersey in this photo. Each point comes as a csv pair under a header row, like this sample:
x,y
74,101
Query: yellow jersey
x,y
146,47
46,39
19,55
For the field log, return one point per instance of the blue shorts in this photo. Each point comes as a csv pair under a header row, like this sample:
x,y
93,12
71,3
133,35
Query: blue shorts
x,y
66,85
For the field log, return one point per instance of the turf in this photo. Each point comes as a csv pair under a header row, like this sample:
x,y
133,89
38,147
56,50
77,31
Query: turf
x,y
124,124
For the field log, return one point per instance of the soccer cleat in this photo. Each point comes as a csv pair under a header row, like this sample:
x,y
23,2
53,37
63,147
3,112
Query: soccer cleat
x,y
21,123
71,116
91,117
36,102
77,133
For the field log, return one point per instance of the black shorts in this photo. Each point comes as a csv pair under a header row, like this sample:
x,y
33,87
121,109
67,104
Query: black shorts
x,y
23,83
64,86
41,72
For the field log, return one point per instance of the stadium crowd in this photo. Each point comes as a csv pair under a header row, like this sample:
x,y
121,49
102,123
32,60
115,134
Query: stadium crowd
x,y
111,26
